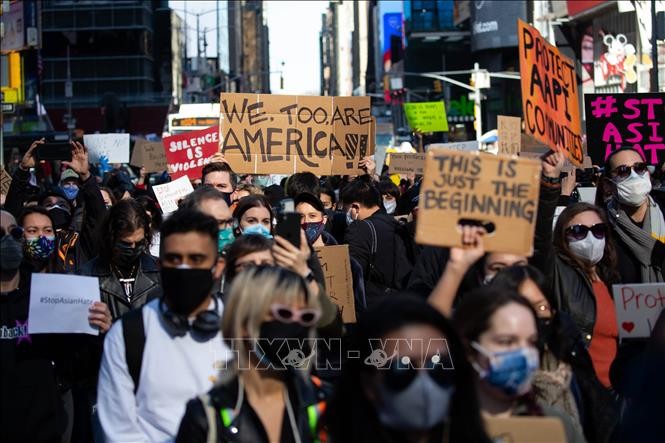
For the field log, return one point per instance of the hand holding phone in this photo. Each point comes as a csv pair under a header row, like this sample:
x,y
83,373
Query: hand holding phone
x,y
289,227
54,151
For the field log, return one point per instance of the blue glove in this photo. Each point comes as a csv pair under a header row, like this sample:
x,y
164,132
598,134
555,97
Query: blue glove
x,y
104,165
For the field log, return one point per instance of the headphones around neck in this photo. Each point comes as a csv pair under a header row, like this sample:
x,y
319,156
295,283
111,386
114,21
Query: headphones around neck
x,y
205,323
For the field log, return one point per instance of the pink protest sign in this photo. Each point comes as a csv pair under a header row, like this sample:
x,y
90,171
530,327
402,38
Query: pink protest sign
x,y
187,154
638,307
614,121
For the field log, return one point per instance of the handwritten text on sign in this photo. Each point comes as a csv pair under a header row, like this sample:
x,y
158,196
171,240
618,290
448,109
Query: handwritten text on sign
x,y
427,116
188,153
509,129
169,194
115,147
149,155
638,307
336,266
407,163
549,94
281,134
617,120
497,191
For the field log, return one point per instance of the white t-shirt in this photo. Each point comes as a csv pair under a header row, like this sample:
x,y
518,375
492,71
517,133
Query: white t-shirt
x,y
174,370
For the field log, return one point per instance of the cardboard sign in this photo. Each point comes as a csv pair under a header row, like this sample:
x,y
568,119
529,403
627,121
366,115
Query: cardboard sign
x,y
149,155
427,116
59,304
638,307
497,191
549,94
188,153
509,129
169,194
115,147
470,146
587,195
525,429
407,163
5,181
614,121
284,134
336,266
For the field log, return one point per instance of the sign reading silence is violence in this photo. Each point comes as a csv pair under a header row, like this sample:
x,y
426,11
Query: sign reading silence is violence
x,y
614,121
188,153
284,134
549,94
498,192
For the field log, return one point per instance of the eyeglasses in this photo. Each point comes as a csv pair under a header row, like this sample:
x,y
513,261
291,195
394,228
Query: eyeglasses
x,y
306,317
623,171
579,232
401,372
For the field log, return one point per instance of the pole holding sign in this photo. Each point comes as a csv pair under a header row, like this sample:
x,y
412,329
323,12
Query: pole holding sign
x,y
498,192
549,94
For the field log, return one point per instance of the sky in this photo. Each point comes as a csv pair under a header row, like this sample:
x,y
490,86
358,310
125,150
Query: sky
x,y
294,39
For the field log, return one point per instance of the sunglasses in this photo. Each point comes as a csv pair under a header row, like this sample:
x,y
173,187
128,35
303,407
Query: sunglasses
x,y
624,171
306,317
400,374
579,232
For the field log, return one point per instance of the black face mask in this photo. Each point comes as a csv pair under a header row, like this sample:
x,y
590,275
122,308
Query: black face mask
x,y
186,288
126,256
283,344
61,217
545,332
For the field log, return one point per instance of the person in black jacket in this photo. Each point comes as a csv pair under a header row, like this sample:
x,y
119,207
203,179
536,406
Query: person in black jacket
x,y
377,241
266,394
128,274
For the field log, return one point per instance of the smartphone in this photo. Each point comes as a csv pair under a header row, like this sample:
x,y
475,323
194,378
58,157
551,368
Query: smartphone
x,y
288,227
54,151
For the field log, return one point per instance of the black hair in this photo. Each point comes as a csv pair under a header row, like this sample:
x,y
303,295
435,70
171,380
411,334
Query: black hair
x,y
363,191
608,160
326,188
201,194
186,220
150,205
220,167
513,277
388,187
302,182
242,246
54,193
353,417
110,193
123,218
34,210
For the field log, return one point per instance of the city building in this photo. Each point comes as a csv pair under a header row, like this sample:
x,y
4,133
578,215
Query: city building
x,y
249,47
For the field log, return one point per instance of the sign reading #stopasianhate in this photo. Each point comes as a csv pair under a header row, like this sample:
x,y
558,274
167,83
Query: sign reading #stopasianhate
x,y
283,134
614,121
188,153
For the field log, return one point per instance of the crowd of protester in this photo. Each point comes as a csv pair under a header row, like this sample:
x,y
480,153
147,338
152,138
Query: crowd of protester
x,y
211,324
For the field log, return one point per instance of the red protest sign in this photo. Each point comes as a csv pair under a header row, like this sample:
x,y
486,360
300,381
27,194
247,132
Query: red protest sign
x,y
187,154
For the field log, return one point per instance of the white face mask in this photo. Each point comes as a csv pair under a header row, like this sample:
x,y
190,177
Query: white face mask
x,y
633,190
590,248
390,205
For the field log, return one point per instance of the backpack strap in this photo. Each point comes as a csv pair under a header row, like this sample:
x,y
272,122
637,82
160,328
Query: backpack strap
x,y
373,248
133,333
210,416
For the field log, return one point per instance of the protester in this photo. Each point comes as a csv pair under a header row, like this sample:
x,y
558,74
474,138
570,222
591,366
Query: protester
x,y
416,387
155,214
247,251
7,222
302,182
128,274
220,176
109,198
636,218
328,197
245,190
382,246
212,202
158,357
254,215
499,331
266,394
390,194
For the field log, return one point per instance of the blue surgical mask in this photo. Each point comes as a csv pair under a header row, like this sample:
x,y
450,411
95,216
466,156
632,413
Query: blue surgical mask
x,y
509,371
70,191
258,229
224,238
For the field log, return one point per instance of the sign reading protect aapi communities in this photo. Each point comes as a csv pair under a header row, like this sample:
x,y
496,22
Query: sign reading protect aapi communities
x,y
336,266
407,163
284,134
427,116
549,94
188,153
115,147
617,120
509,129
149,155
169,194
638,307
499,192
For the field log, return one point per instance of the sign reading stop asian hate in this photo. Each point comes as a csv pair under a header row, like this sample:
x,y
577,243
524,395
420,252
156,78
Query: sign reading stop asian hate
x,y
614,121
188,153
638,307
284,134
549,94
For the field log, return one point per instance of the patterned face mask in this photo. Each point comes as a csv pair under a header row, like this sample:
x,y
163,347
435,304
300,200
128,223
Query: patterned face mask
x,y
39,248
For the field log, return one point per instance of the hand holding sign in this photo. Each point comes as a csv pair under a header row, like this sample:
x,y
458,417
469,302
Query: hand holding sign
x,y
79,163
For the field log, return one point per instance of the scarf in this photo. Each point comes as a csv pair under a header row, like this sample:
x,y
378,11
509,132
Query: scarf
x,y
641,241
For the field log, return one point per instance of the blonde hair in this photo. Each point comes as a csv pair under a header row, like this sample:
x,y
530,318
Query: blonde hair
x,y
252,189
252,293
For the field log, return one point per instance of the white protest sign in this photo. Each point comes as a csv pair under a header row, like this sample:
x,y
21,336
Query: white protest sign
x,y
59,303
170,193
587,195
638,307
471,146
115,147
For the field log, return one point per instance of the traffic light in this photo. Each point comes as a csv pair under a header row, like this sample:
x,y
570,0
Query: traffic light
x,y
438,86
